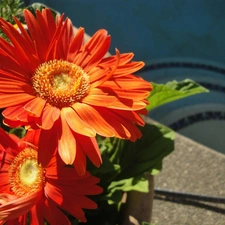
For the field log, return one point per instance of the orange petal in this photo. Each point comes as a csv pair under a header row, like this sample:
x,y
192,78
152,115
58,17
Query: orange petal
x,y
43,22
53,214
75,44
130,130
76,123
32,136
69,204
37,34
49,20
135,95
36,215
13,207
47,145
131,116
128,104
90,147
8,60
99,98
7,100
67,143
98,74
13,112
111,60
92,117
13,123
17,114
97,56
5,198
77,201
89,48
130,82
109,73
14,87
62,41
49,116
13,76
129,68
52,48
21,48
35,107
9,144
80,160
25,34
67,37
116,123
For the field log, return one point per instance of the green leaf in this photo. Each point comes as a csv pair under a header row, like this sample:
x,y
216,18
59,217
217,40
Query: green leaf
x,y
147,153
117,188
125,163
9,9
171,91
124,166
110,149
19,132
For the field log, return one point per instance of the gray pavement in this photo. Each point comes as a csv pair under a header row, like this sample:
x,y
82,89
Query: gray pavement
x,y
191,168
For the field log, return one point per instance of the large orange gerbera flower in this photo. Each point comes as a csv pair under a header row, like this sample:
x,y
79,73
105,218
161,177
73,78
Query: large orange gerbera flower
x,y
50,79
29,190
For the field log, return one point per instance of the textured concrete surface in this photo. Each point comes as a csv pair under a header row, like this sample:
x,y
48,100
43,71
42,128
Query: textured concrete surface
x,y
196,169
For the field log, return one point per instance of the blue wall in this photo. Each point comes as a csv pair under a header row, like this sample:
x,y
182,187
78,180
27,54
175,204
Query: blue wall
x,y
154,29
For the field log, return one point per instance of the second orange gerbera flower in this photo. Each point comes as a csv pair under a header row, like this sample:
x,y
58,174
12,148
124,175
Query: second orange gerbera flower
x,y
29,190
50,79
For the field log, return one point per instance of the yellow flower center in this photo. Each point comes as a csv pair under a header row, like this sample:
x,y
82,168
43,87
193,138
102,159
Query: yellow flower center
x,y
25,174
60,83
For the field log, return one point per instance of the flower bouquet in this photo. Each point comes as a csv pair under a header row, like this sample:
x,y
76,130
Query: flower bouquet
x,y
73,139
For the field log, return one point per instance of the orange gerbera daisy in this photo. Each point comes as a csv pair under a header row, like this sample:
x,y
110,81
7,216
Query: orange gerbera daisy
x,y
50,79
28,190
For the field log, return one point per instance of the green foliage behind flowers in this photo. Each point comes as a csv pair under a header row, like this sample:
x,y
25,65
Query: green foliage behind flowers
x,y
124,166
10,8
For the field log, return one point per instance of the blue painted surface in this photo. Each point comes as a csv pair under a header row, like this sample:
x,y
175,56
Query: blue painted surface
x,y
154,29
164,33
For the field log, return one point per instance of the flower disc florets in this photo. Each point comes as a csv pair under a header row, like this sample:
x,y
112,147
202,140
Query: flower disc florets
x,y
25,174
60,83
